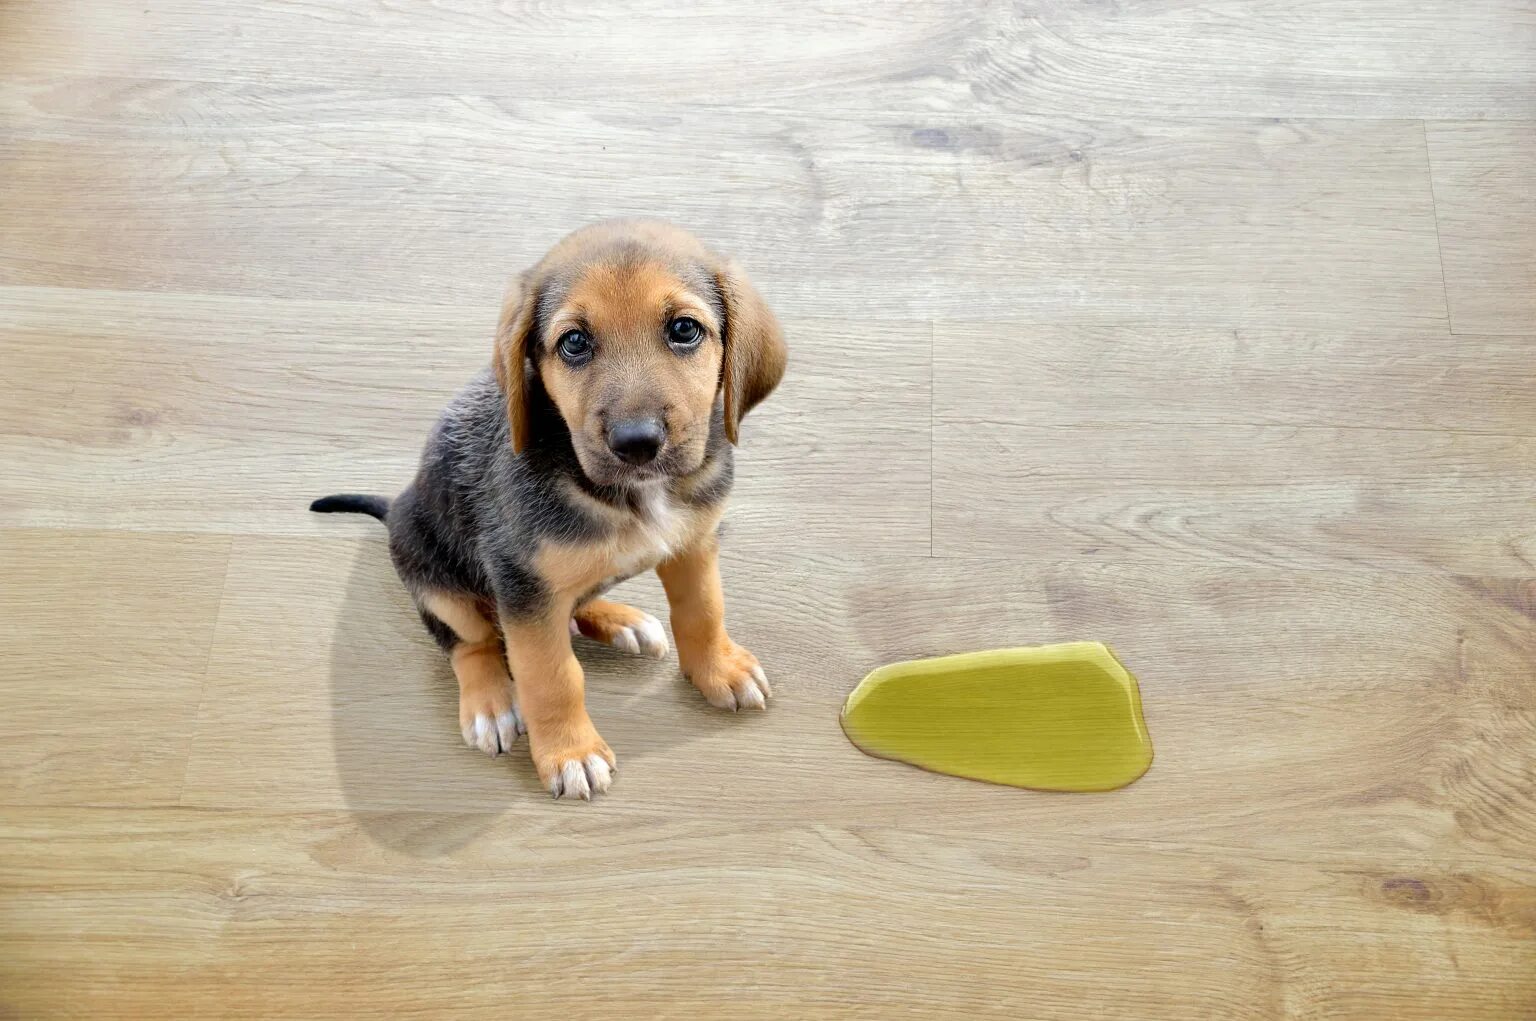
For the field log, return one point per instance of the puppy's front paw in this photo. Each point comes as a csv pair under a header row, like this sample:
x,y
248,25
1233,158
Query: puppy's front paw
x,y
576,768
623,627
489,719
730,677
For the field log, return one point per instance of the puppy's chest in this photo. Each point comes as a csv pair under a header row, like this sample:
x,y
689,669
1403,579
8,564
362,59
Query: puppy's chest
x,y
656,529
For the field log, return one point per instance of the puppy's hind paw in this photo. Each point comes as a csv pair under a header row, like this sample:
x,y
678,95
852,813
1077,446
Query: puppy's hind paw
x,y
623,627
645,637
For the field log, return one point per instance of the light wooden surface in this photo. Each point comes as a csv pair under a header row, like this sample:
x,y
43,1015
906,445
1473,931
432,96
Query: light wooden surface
x,y
1483,177
1204,329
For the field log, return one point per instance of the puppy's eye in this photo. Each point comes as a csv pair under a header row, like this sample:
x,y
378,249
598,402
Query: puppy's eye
x,y
574,346
684,332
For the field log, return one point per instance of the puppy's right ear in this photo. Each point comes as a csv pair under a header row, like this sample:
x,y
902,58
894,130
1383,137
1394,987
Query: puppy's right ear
x,y
513,343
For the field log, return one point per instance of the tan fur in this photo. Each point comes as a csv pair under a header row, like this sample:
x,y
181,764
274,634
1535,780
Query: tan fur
x,y
601,620
485,688
637,545
551,692
627,307
717,666
755,354
558,725
461,613
513,336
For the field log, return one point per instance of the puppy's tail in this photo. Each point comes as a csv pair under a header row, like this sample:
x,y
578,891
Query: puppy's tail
x,y
351,503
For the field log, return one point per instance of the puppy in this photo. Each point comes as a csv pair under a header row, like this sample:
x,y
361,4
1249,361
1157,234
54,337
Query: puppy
x,y
598,446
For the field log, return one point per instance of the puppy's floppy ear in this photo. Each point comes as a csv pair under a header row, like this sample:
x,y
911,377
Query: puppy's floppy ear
x,y
754,347
513,345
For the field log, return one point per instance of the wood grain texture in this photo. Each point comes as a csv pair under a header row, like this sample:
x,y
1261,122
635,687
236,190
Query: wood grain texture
x,y
1040,374
1334,58
1285,496
897,214
301,914
1485,194
105,647
1391,58
269,404
1126,320
1346,451
1348,715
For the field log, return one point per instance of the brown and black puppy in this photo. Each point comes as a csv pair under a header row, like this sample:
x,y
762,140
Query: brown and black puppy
x,y
597,446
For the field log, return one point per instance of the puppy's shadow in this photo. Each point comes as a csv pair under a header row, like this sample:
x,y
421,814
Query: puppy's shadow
x,y
403,769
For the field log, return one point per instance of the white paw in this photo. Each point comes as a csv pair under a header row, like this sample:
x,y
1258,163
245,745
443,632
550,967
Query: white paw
x,y
754,693
581,778
749,692
494,735
646,637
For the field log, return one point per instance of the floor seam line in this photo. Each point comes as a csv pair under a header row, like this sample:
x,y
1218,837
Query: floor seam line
x,y
1434,212
202,696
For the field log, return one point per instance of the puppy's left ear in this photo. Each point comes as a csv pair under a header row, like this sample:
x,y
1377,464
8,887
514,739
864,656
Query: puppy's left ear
x,y
513,343
755,354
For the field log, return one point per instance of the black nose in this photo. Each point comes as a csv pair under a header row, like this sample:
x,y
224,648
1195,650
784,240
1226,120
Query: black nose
x,y
636,440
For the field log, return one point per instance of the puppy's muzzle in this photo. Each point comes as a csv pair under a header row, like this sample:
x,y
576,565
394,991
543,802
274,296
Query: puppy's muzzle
x,y
636,441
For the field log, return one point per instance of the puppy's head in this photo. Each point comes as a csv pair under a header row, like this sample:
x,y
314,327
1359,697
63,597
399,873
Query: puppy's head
x,y
632,329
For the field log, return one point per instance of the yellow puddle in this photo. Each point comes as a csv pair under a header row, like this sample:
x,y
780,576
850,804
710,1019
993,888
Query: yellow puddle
x,y
1053,718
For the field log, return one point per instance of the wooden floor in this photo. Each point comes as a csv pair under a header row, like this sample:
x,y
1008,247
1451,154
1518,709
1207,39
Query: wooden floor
x,y
1206,329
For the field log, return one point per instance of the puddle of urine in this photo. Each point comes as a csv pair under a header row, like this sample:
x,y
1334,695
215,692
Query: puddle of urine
x,y
1053,718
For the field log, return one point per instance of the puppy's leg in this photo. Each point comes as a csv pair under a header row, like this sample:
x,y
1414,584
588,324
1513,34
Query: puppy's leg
x,y
622,627
488,717
572,758
727,675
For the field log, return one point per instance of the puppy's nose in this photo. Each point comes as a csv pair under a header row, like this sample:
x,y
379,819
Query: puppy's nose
x,y
636,440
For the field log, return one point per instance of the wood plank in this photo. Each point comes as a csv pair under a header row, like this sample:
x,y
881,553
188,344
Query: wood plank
x,y
1278,496
715,50
101,663
305,914
1048,375
1377,449
1353,715
1484,179
866,211
1260,447
1271,58
1334,58
230,414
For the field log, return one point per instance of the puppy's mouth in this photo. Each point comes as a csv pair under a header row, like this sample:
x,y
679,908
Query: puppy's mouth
x,y
603,468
